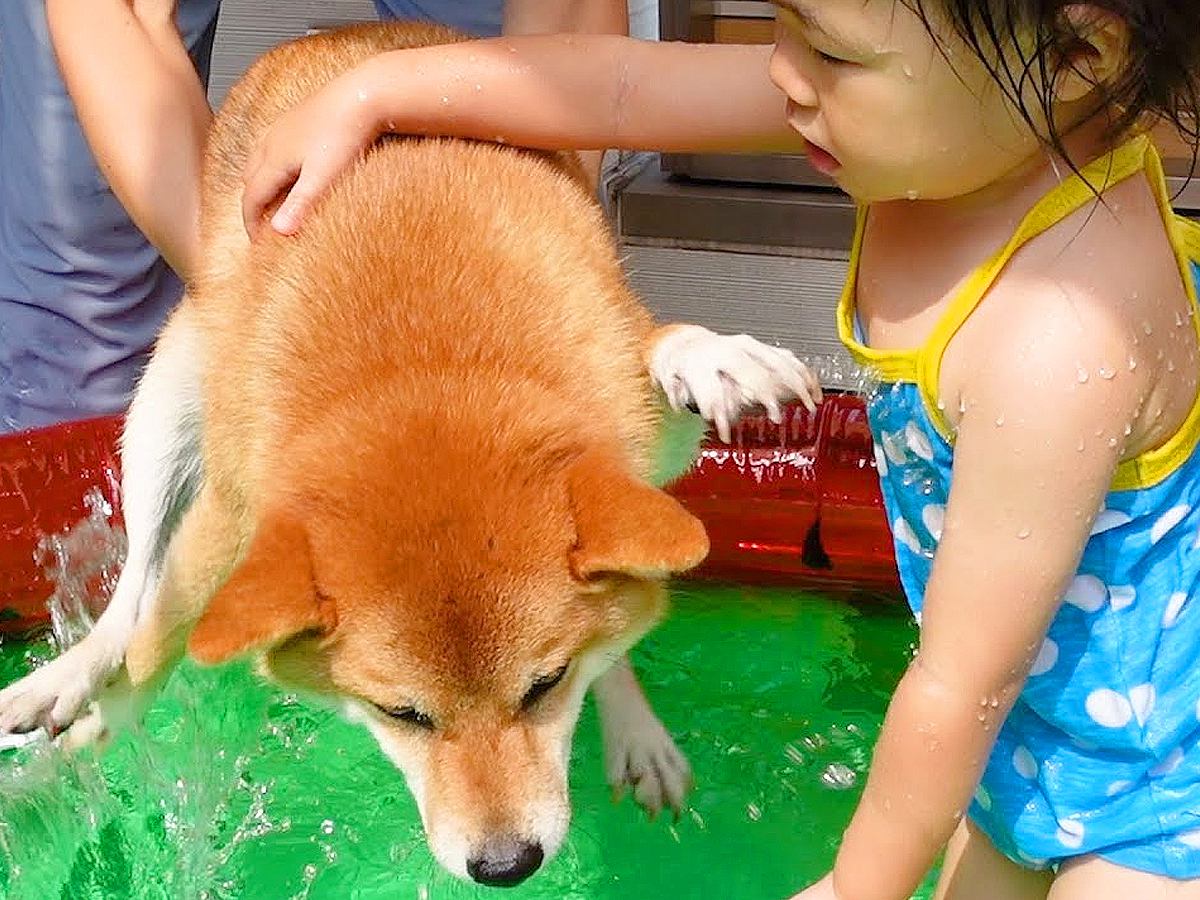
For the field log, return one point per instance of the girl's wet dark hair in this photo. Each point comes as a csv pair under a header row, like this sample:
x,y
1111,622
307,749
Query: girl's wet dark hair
x,y
1026,44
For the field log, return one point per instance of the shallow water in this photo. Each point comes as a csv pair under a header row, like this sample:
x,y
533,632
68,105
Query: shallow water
x,y
234,790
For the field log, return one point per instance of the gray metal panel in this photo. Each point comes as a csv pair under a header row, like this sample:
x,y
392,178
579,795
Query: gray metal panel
x,y
748,168
788,300
654,208
790,169
747,9
248,28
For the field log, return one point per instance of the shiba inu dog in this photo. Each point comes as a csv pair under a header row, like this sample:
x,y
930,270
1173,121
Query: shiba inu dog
x,y
402,459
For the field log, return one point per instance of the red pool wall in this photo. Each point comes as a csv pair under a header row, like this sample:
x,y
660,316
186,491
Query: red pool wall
x,y
44,477
794,504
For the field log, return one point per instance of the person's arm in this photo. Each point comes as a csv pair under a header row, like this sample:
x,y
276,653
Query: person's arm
x,y
550,92
569,17
566,17
1033,463
142,109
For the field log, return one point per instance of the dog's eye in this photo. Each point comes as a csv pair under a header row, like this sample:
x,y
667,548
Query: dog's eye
x,y
542,686
408,714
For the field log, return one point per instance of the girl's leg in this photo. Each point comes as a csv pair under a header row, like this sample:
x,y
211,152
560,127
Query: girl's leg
x,y
1092,878
973,869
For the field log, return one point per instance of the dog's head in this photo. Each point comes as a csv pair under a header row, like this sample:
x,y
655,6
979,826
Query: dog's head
x,y
462,624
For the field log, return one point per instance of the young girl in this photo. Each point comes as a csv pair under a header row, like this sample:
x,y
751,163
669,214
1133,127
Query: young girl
x,y
1028,299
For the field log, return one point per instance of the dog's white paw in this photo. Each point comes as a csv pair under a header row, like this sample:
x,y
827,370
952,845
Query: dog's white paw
x,y
640,754
90,729
52,696
719,376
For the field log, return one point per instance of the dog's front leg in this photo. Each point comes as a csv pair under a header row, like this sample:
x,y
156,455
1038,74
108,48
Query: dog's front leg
x,y
721,375
638,751
161,461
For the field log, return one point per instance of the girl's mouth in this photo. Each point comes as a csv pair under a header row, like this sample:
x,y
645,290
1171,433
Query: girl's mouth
x,y
822,160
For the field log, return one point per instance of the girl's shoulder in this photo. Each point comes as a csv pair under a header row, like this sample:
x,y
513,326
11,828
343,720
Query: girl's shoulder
x,y
1100,296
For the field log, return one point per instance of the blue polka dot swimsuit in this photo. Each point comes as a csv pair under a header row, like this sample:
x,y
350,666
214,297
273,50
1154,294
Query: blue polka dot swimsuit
x,y
1101,752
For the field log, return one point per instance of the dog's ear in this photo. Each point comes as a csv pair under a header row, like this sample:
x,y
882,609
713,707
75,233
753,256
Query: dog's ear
x,y
269,598
627,527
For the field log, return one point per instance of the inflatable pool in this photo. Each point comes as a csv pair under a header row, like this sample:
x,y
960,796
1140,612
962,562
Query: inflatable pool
x,y
795,504
774,684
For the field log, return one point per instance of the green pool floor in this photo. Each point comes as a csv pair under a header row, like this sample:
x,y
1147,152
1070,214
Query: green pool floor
x,y
234,790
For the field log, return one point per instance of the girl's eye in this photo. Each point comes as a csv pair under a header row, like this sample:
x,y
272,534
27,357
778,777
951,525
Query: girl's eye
x,y
832,60
542,686
408,714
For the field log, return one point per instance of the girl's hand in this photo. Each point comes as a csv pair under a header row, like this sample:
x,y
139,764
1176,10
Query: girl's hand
x,y
305,149
822,890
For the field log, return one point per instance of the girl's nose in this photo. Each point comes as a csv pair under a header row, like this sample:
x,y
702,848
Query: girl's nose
x,y
788,76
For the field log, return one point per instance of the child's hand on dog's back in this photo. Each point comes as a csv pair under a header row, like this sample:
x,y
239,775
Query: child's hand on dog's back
x,y
553,92
306,148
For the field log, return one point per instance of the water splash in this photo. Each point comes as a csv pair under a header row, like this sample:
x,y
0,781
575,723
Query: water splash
x,y
83,564
230,789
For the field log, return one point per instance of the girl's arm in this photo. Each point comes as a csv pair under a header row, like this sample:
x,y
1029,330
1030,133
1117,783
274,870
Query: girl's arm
x,y
1035,454
569,17
549,91
142,109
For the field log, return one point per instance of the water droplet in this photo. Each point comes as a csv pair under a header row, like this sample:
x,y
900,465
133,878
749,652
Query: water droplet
x,y
478,88
1112,442
999,421
1023,533
907,70
445,101
912,194
361,96
982,717
1106,373
1147,328
1079,446
838,777
941,405
1132,364
1180,321
1082,375
1170,365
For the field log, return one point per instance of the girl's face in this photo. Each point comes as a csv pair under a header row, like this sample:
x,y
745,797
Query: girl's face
x,y
883,109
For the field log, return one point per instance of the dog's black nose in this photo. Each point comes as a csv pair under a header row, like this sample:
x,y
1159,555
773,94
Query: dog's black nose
x,y
505,861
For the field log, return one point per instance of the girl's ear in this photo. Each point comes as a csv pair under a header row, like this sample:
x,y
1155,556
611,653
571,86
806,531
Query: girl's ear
x,y
1093,51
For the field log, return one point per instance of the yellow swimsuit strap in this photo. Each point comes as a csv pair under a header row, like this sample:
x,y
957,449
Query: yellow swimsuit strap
x,y
921,365
1063,201
1137,155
